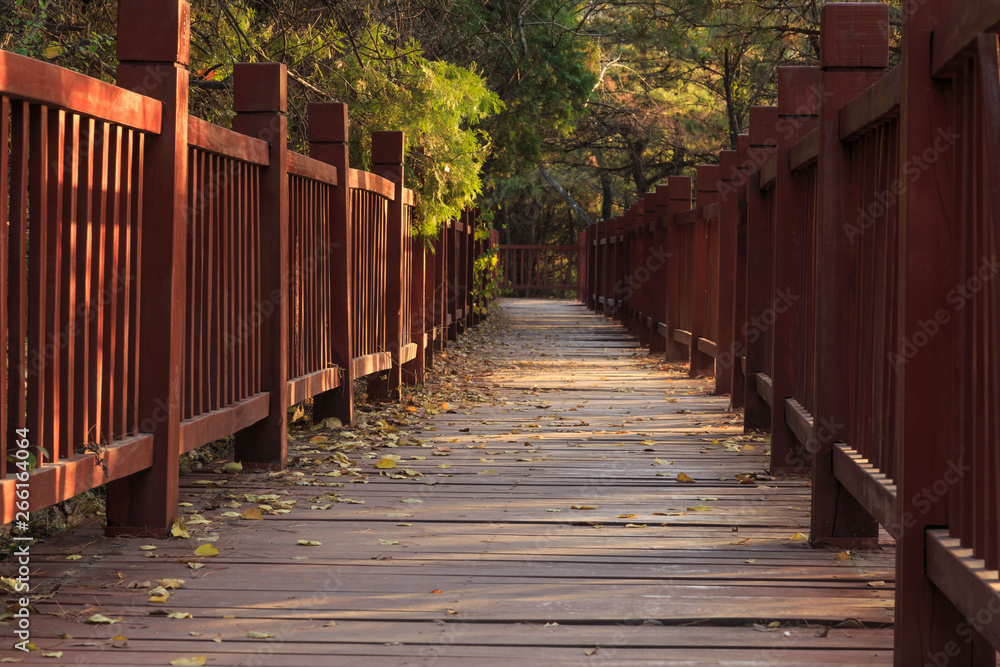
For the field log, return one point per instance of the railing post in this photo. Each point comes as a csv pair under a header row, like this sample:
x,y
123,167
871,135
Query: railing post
x,y
708,193
388,148
680,201
754,249
153,49
737,334
260,102
415,370
328,134
800,96
854,54
929,434
732,183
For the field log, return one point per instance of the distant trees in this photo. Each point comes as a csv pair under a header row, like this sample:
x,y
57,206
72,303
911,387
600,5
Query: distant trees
x,y
545,112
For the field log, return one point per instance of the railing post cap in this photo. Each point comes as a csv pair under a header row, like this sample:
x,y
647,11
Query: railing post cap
x,y
328,122
388,147
728,165
800,91
854,34
708,177
680,187
154,31
763,126
260,88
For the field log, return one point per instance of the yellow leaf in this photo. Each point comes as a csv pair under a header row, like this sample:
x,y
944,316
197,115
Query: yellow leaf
x,y
158,594
195,566
171,583
798,536
685,478
207,550
179,614
189,662
700,508
252,514
74,557
411,500
592,651
148,547
179,529
843,555
254,634
385,464
119,638
389,542
627,516
101,619
232,468
310,543
197,520
583,507
53,654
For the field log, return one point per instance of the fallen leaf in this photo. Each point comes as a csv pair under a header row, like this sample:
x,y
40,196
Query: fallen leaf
x,y
684,478
206,550
252,514
583,507
700,508
189,662
101,619
437,590
158,594
179,529
591,651
148,547
411,500
195,565
53,654
627,516
179,614
310,543
876,584
74,557
799,537
388,542
385,464
254,634
170,584
843,555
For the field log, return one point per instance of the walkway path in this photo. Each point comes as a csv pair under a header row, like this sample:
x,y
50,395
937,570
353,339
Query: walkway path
x,y
554,532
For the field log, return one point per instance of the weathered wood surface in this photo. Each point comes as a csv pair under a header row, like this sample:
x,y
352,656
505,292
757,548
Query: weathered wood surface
x,y
474,572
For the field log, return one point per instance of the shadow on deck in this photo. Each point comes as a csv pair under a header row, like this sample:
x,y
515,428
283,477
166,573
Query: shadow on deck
x,y
554,532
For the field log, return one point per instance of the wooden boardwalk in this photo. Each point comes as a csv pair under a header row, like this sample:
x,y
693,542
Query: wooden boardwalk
x,y
559,535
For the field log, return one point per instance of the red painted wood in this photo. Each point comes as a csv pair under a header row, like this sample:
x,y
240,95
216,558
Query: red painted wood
x,y
147,501
792,210
258,94
701,301
328,134
760,308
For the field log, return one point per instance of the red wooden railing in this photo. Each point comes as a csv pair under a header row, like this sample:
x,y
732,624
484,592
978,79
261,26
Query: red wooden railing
x,y
538,267
851,299
167,282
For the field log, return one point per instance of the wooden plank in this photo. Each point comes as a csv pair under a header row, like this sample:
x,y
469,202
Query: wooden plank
x,y
370,363
804,152
966,582
56,482
307,386
799,421
219,423
407,353
710,212
311,168
958,32
708,347
45,83
877,104
765,388
683,337
369,182
227,143
686,218
872,488
768,173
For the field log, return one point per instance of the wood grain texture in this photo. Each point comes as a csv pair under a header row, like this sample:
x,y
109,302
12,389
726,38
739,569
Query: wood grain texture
x,y
641,575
